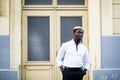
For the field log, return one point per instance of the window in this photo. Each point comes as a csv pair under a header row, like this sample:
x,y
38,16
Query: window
x,y
38,39
38,2
71,2
67,24
54,3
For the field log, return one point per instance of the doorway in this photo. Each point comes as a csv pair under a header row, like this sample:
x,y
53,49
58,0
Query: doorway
x,y
44,29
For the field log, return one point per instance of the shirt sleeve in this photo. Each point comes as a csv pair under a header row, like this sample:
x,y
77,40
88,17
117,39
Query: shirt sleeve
x,y
60,56
86,60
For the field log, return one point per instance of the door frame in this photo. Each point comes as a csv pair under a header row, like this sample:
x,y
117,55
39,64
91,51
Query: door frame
x,y
54,39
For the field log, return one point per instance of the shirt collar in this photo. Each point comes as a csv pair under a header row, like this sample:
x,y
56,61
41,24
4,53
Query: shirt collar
x,y
73,42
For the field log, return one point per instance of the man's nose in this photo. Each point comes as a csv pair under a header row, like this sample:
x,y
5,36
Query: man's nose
x,y
80,34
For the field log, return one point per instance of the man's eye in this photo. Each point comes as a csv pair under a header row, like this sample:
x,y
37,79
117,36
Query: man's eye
x,y
79,32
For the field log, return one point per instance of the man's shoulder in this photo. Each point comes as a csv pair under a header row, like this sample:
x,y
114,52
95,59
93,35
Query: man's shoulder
x,y
67,43
84,46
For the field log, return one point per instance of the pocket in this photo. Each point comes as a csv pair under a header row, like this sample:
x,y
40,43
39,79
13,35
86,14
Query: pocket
x,y
83,73
62,70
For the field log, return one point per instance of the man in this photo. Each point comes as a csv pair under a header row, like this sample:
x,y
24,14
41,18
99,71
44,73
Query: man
x,y
72,58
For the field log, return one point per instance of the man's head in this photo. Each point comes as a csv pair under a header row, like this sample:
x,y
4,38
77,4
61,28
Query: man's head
x,y
78,33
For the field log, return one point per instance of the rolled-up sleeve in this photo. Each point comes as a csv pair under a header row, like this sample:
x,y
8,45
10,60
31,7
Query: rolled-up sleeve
x,y
60,55
86,60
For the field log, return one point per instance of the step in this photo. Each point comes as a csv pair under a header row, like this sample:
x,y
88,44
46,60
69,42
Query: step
x,y
8,74
106,74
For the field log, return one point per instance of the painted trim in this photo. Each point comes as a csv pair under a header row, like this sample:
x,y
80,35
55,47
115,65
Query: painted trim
x,y
94,34
15,33
107,17
4,17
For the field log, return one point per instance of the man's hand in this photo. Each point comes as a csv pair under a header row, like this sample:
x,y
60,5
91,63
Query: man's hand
x,y
85,70
61,68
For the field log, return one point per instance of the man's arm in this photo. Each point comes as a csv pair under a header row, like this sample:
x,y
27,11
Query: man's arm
x,y
60,56
86,61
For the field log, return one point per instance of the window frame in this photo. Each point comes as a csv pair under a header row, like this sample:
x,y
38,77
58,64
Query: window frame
x,y
54,5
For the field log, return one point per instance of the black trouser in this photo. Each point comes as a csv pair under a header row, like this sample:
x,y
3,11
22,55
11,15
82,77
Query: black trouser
x,y
73,74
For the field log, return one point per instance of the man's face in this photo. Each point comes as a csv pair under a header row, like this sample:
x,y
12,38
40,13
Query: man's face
x,y
78,34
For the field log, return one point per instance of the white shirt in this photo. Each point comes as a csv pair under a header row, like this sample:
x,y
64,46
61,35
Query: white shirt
x,y
69,56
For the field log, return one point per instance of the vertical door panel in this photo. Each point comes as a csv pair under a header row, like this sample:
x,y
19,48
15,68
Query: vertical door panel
x,y
66,20
37,51
38,39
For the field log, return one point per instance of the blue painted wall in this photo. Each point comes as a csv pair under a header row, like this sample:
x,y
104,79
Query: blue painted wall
x,y
110,52
5,72
108,74
8,74
110,59
4,52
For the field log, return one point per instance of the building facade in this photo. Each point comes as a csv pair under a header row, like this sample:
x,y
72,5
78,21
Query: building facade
x,y
35,29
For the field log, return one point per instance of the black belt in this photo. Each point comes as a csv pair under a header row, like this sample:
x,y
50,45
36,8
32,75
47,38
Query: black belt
x,y
74,69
